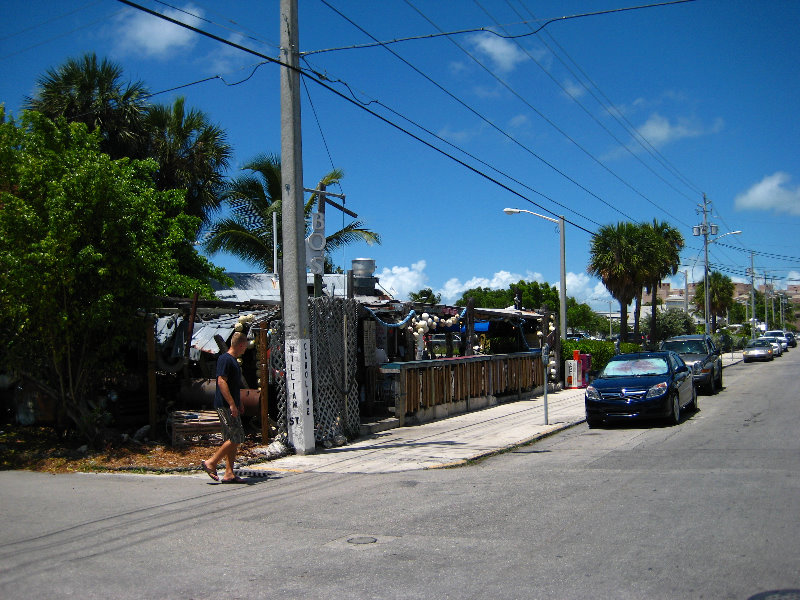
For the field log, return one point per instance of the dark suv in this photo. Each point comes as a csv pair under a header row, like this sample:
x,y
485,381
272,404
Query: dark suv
x,y
702,355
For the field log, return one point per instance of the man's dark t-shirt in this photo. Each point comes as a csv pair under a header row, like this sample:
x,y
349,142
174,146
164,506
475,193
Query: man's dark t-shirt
x,y
228,367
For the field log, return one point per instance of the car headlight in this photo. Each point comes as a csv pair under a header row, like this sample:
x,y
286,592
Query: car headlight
x,y
658,389
592,393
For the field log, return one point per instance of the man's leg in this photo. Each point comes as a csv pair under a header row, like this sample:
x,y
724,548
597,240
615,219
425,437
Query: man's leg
x,y
221,452
230,458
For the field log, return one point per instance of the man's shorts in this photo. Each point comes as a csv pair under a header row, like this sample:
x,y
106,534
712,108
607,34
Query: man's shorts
x,y
231,426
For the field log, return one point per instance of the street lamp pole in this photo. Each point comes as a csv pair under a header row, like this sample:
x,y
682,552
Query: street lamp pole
x,y
563,284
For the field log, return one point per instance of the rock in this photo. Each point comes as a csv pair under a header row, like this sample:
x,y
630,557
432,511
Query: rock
x,y
141,433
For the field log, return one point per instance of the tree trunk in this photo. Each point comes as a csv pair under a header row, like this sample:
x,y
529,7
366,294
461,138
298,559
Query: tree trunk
x,y
623,322
653,314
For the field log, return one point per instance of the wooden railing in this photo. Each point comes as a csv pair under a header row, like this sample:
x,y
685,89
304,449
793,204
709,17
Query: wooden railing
x,y
459,382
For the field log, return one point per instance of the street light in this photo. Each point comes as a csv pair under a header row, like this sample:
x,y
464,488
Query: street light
x,y
563,290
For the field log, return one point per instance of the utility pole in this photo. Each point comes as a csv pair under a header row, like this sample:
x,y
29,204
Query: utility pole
x,y
686,291
297,334
704,230
766,305
752,298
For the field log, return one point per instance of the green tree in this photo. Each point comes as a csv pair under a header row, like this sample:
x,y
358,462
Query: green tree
x,y
662,252
85,90
614,257
192,155
85,244
425,296
535,295
669,323
252,199
720,297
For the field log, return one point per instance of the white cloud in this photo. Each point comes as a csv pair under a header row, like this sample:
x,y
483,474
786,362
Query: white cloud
x,y
660,131
139,32
401,281
503,54
519,122
573,88
771,193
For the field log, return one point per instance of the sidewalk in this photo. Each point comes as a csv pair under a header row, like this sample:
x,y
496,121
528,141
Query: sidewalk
x,y
448,442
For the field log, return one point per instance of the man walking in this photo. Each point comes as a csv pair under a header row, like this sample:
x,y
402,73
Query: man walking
x,y
228,403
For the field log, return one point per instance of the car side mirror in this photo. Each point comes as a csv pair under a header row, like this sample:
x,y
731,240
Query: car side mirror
x,y
682,369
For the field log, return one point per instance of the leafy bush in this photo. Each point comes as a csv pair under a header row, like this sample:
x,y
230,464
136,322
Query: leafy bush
x,y
601,351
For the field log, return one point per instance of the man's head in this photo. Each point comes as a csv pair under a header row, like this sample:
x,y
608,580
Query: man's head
x,y
238,344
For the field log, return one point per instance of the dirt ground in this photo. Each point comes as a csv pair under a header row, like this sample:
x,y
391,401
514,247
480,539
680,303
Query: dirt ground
x,y
43,449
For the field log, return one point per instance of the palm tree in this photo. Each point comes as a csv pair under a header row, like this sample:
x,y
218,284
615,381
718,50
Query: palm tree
x,y
91,92
720,296
663,259
614,258
192,154
253,198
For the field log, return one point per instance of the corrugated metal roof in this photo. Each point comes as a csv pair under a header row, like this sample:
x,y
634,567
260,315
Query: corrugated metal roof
x,y
170,327
266,287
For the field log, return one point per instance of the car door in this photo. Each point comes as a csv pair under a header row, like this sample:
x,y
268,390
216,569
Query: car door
x,y
714,359
683,379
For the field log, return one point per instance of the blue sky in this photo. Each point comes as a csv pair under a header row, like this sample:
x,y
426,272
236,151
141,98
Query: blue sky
x,y
629,115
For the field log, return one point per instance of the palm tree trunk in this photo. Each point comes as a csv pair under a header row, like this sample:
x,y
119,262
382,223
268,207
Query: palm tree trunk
x,y
637,311
653,314
623,322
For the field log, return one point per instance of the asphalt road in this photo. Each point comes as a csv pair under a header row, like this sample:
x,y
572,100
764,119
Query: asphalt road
x,y
706,509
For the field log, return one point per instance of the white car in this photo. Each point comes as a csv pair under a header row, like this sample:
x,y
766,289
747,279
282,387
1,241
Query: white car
x,y
777,347
781,337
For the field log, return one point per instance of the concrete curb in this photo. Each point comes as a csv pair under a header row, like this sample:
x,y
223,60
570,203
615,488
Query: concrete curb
x,y
508,447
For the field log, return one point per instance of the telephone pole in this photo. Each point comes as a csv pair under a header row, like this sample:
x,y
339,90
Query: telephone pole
x,y
297,335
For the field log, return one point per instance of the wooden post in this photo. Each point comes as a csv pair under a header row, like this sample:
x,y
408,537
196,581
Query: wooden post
x,y
263,381
150,335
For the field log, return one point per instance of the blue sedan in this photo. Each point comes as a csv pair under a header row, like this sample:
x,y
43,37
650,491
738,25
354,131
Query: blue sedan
x,y
643,385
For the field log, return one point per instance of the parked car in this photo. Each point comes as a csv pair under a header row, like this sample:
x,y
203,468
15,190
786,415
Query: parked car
x,y
780,335
758,350
777,347
702,356
792,339
639,386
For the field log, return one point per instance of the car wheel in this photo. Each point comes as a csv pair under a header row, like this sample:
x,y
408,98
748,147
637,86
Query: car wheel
x,y
675,417
719,380
711,388
593,422
744,360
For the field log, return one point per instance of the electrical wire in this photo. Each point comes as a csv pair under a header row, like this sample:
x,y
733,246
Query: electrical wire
x,y
377,43
554,126
479,115
320,82
608,105
48,21
452,145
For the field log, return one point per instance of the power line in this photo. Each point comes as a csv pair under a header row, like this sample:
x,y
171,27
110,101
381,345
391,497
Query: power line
x,y
554,126
48,21
451,144
610,109
320,82
547,22
479,115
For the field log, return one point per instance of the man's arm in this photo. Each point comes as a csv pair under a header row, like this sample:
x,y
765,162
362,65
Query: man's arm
x,y
222,384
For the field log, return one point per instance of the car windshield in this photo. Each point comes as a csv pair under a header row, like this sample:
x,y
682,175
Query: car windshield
x,y
758,344
685,346
631,367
